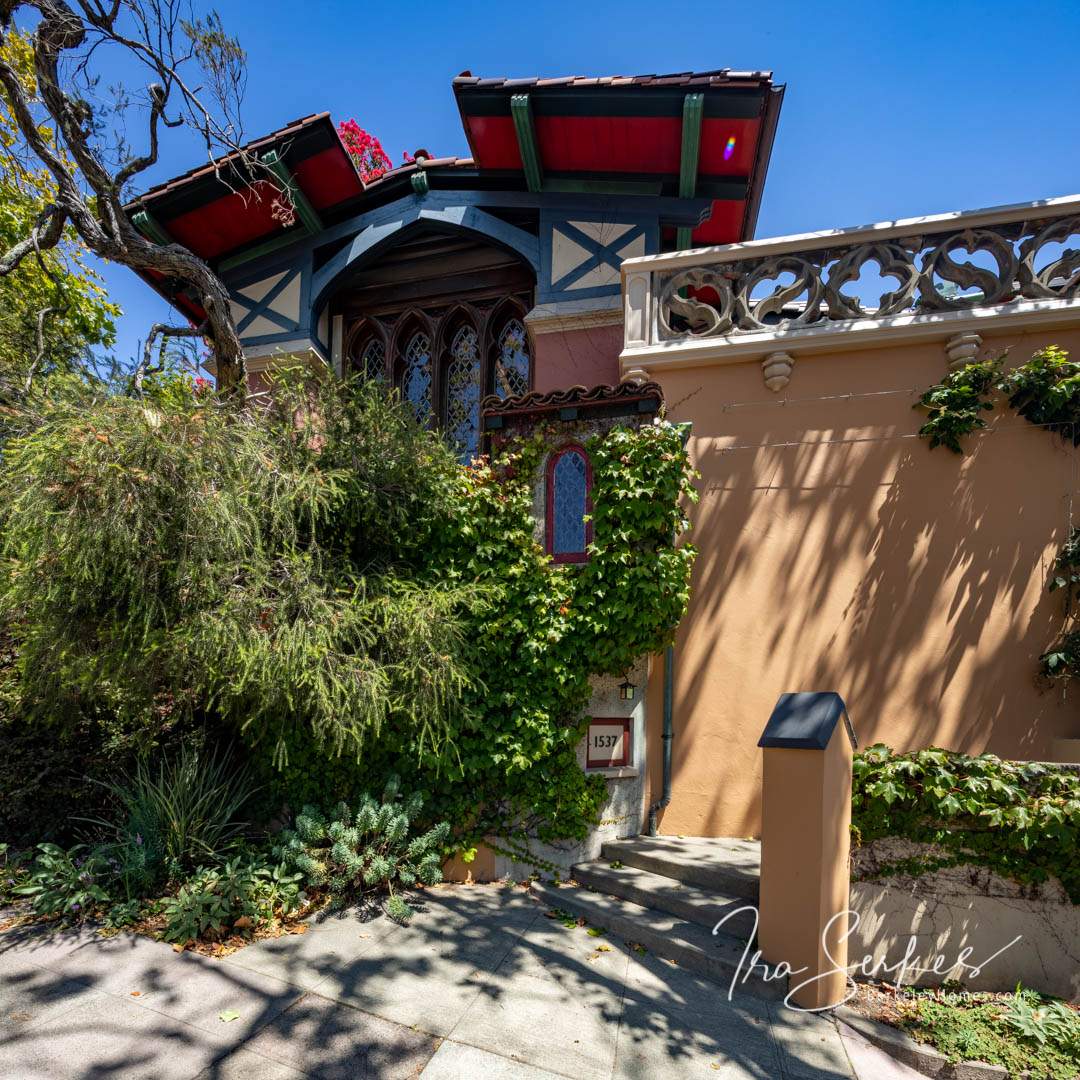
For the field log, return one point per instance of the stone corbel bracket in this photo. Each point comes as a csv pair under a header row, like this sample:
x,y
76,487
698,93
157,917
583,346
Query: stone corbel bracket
x,y
776,369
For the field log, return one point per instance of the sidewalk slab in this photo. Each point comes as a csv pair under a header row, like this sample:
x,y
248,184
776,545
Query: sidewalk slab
x,y
332,1041
454,1061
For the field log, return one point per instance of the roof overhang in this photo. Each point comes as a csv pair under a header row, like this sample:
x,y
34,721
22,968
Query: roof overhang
x,y
698,135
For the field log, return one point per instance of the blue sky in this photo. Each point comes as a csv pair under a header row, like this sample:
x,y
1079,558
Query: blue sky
x,y
892,110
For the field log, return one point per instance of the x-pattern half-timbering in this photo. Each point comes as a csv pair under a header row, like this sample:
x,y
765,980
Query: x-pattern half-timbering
x,y
589,254
270,305
719,297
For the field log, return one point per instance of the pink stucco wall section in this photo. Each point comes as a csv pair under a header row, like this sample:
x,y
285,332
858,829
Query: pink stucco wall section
x,y
585,357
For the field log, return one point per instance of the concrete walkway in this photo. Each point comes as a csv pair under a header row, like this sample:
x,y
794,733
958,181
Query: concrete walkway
x,y
480,985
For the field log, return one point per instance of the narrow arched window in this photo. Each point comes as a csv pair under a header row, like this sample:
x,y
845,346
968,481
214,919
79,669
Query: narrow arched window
x,y
370,362
569,480
512,364
461,394
416,376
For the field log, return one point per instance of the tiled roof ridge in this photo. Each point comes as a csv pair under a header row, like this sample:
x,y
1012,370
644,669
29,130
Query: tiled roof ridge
x,y
721,76
493,404
282,132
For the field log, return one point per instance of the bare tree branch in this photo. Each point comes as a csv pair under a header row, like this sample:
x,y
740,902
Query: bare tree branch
x,y
39,356
164,332
45,234
64,129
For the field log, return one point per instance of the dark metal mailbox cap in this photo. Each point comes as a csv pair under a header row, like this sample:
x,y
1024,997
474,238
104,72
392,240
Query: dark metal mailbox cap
x,y
806,721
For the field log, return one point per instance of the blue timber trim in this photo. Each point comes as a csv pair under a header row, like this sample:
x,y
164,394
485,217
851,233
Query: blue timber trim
x,y
462,209
467,217
549,291
602,254
257,308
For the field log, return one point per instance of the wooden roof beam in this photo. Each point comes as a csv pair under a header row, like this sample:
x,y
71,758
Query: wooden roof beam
x,y
521,111
693,110
307,214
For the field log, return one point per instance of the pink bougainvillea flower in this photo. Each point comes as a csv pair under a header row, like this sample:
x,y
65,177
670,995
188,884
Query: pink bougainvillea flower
x,y
365,150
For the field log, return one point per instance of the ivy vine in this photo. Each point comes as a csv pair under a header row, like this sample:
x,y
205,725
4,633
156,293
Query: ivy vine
x,y
535,635
1045,391
1021,819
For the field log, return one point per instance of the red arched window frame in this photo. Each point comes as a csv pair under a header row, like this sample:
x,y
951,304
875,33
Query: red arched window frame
x,y
549,517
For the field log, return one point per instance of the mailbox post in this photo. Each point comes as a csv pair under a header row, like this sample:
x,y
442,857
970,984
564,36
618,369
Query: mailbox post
x,y
805,844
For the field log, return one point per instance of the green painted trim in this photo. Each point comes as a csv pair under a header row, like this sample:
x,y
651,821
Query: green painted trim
x,y
267,247
304,210
420,182
521,110
151,228
604,187
693,110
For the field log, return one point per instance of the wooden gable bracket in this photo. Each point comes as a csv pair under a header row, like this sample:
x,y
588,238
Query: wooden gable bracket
x,y
521,111
693,110
304,210
151,228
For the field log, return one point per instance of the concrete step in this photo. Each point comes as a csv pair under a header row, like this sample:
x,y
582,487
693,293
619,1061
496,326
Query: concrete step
x,y
718,957
689,902
723,866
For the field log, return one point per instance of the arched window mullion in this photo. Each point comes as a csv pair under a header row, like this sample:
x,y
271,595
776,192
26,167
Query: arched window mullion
x,y
462,390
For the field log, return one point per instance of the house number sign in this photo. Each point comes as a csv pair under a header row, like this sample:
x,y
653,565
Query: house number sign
x,y
608,745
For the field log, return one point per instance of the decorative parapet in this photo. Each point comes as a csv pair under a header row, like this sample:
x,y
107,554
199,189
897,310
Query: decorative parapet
x,y
714,305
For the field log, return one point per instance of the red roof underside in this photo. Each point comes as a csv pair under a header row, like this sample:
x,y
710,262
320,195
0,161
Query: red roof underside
x,y
636,145
630,144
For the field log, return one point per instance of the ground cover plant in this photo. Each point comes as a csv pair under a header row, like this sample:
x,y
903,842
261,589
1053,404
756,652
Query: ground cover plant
x,y
350,854
1019,818
1024,1032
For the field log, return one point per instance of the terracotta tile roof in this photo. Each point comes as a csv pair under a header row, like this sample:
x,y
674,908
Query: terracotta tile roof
x,y
429,163
293,127
720,77
629,396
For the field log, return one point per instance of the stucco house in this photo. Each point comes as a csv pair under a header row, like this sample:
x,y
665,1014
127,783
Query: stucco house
x,y
595,257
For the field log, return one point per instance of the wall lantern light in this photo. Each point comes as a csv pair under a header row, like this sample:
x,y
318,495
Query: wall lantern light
x,y
626,690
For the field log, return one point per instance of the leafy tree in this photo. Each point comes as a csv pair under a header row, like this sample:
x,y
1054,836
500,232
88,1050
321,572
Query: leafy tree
x,y
173,555
52,306
195,76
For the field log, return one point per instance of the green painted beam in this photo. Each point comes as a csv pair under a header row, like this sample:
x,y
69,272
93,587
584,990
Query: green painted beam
x,y
693,110
521,110
604,187
420,182
267,247
151,228
304,210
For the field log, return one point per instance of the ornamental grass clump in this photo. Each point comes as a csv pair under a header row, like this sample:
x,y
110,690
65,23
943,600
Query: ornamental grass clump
x,y
349,855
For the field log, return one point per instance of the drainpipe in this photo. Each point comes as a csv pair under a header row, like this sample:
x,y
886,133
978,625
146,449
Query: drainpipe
x,y
668,736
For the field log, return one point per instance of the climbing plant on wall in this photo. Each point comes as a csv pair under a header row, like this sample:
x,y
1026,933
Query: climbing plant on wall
x,y
1021,819
1045,391
510,767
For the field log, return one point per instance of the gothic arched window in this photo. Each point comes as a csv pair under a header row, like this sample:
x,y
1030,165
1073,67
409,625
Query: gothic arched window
x,y
461,393
416,376
370,361
569,480
512,361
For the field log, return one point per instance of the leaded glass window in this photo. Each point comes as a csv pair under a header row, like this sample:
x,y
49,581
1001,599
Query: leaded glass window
x,y
462,392
372,360
568,532
416,376
512,361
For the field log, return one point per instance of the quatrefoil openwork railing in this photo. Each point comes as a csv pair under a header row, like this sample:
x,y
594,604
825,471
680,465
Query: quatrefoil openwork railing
x,y
927,266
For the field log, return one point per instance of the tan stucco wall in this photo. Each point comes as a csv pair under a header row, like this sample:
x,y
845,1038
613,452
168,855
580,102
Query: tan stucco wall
x,y
912,582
